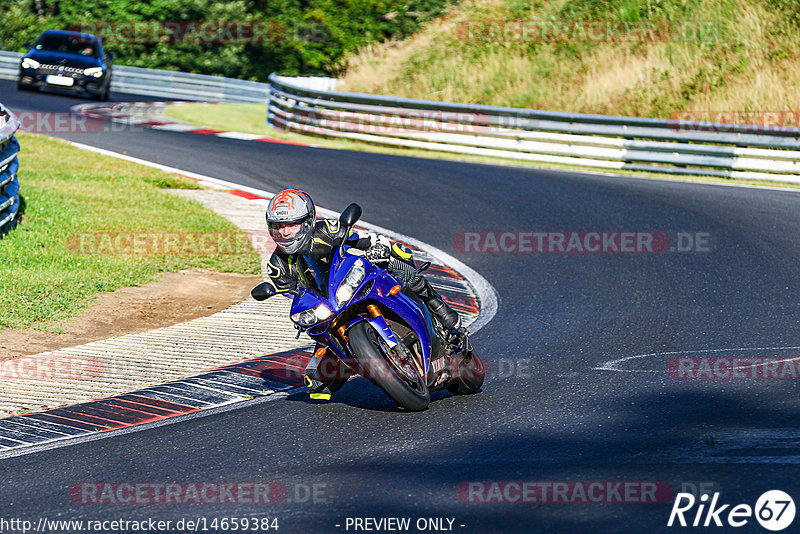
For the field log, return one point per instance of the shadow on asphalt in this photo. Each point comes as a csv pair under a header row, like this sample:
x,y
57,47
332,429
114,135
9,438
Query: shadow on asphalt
x,y
362,394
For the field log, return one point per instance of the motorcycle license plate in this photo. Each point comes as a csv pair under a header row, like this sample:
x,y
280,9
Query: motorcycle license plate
x,y
55,79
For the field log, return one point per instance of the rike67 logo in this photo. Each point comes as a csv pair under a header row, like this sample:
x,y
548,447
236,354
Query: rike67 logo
x,y
774,510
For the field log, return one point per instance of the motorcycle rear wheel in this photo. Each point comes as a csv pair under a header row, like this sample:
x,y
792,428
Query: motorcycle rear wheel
x,y
471,374
380,365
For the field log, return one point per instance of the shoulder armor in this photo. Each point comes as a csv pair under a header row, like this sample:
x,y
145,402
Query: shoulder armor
x,y
274,270
333,226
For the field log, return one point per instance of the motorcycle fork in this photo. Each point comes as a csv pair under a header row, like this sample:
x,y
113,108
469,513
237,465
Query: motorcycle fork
x,y
340,328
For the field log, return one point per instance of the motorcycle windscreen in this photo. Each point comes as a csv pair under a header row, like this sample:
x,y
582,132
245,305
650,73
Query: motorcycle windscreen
x,y
313,274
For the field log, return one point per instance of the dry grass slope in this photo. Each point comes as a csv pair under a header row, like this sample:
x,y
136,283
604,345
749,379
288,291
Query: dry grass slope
x,y
717,55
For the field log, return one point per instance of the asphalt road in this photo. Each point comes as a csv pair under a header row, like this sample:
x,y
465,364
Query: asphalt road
x,y
546,413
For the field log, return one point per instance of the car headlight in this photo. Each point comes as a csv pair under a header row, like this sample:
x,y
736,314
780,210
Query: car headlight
x,y
93,71
312,315
354,277
28,63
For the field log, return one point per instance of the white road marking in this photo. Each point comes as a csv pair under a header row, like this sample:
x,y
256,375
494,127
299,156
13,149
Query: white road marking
x,y
240,135
613,365
175,127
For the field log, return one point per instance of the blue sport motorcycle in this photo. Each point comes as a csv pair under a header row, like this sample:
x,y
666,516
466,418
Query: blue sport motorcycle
x,y
359,312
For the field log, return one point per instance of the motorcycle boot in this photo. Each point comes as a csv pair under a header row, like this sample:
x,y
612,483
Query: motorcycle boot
x,y
325,375
449,318
401,264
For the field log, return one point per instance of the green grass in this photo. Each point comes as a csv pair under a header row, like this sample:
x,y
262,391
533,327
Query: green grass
x,y
249,118
71,193
246,118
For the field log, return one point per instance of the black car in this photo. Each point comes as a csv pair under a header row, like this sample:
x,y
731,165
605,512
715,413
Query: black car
x,y
67,61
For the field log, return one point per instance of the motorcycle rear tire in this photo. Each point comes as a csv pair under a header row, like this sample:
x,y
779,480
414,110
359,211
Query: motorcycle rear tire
x,y
373,362
471,373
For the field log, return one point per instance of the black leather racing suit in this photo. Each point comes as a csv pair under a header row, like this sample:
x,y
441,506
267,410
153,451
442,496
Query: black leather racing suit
x,y
286,271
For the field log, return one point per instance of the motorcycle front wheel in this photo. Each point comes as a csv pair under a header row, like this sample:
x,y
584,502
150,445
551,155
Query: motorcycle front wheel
x,y
385,368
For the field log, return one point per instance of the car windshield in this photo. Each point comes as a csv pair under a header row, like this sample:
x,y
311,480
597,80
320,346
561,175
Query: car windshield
x,y
67,44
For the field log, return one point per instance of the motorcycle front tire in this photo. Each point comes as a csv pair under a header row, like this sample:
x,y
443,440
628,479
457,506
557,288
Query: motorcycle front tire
x,y
372,357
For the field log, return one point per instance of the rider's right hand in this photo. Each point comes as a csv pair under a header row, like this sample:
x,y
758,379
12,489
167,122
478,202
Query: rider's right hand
x,y
378,254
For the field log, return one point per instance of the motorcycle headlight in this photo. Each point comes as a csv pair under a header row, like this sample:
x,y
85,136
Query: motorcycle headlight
x,y
93,71
311,316
354,277
28,63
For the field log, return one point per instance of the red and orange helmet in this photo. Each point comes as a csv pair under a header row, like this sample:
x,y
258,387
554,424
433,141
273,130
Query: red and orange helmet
x,y
287,207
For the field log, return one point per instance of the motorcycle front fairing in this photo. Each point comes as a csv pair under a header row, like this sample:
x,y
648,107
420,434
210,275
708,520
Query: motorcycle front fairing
x,y
380,282
374,287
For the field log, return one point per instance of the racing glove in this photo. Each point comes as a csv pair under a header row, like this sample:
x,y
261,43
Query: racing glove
x,y
378,254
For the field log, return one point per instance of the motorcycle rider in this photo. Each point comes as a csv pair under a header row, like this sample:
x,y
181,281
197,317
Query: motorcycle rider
x,y
302,241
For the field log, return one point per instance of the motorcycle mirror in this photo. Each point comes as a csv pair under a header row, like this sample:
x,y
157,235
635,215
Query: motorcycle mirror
x,y
423,267
350,215
263,291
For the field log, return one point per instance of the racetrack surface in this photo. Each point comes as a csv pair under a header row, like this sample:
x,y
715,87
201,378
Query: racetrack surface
x,y
546,413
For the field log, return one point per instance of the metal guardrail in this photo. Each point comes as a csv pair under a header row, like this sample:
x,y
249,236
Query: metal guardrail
x,y
604,141
9,65
601,141
165,83
10,199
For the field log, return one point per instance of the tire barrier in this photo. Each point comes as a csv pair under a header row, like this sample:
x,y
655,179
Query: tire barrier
x,y
11,202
